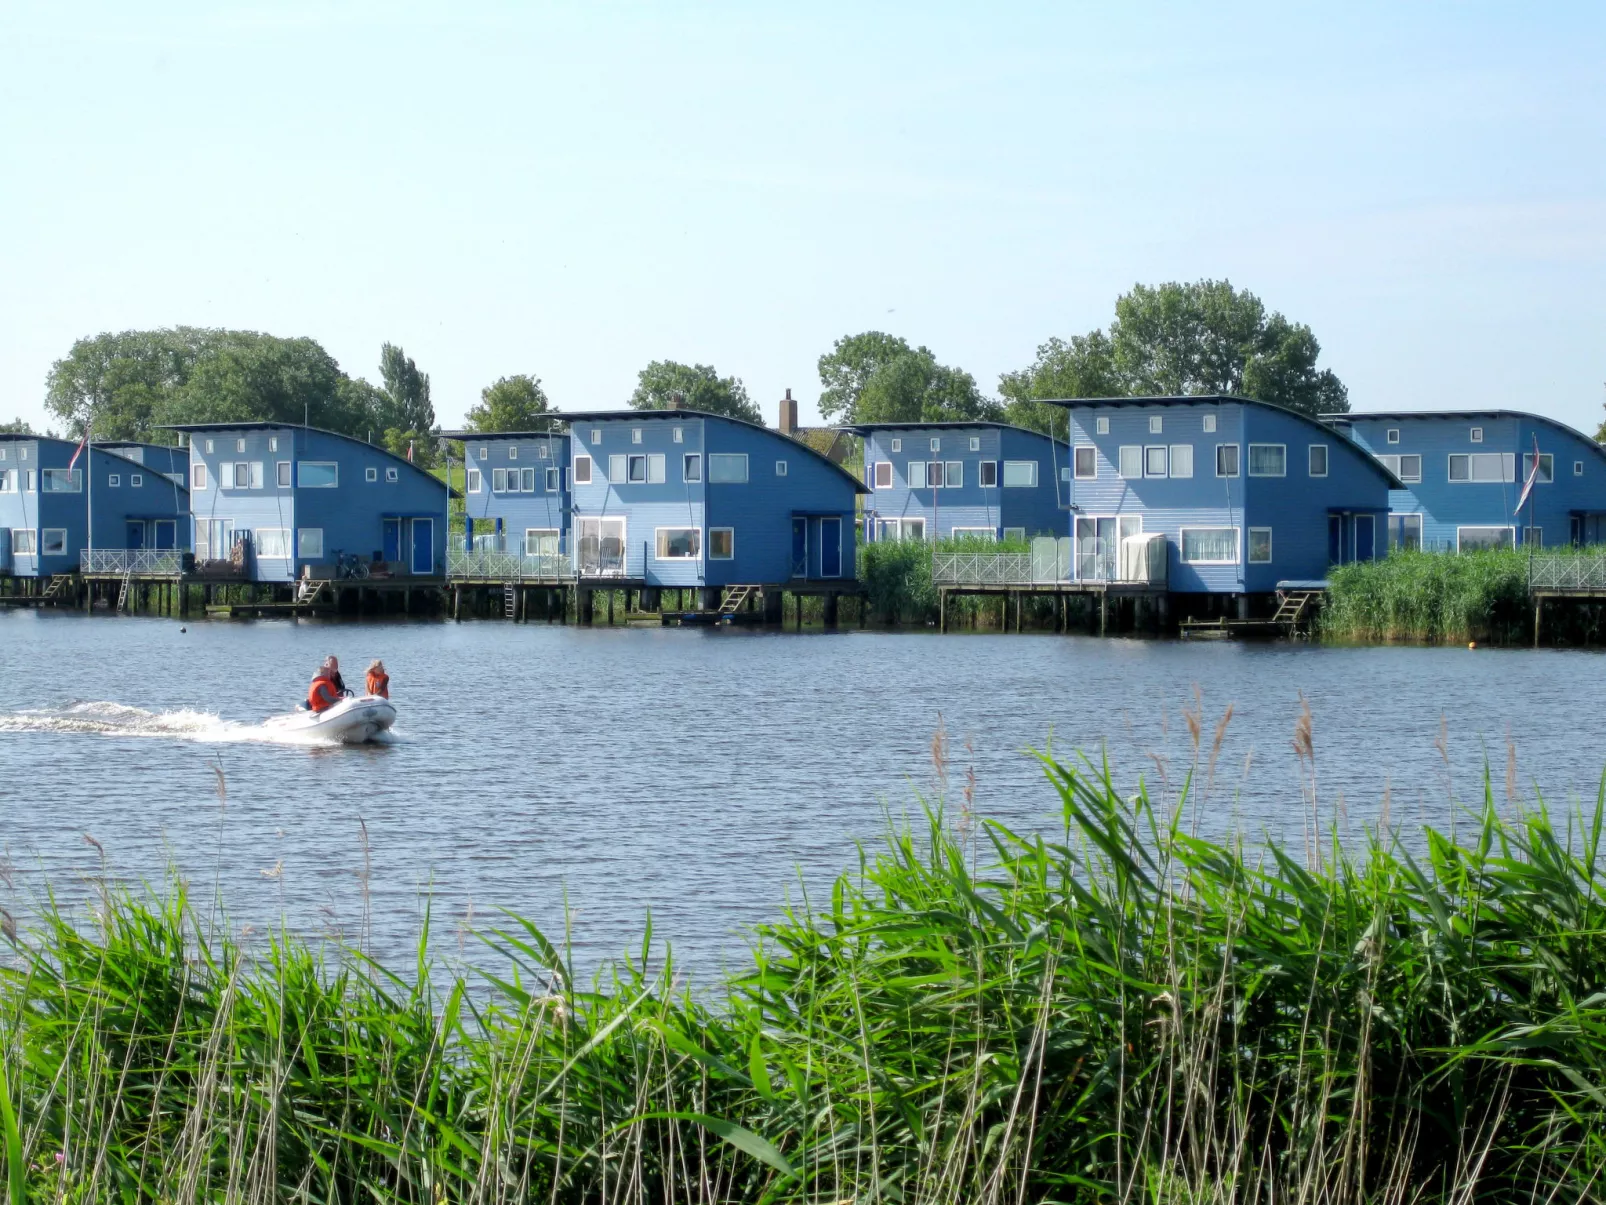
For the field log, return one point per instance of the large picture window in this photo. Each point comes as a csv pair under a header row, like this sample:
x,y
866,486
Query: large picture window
x,y
678,543
317,474
1209,545
1020,474
1268,460
1483,466
53,541
1408,468
61,481
272,543
309,542
1473,539
727,468
540,541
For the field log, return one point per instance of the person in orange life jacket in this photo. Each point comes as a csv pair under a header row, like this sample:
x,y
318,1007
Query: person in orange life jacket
x,y
378,680
332,663
322,695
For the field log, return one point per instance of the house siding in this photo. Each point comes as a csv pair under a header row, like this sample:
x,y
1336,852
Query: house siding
x,y
544,509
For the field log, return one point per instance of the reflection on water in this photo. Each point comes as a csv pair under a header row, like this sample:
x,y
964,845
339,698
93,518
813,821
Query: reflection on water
x,y
694,773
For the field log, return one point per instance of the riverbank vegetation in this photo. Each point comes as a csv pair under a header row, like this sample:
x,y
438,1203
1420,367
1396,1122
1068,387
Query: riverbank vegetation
x,y
1431,596
1123,1012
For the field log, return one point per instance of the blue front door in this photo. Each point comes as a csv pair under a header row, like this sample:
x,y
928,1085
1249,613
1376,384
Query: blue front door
x,y
423,545
1365,537
136,534
393,544
167,533
800,547
830,547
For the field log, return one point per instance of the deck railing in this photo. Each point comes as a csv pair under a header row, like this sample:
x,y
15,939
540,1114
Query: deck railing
x,y
1048,561
141,562
1570,570
482,564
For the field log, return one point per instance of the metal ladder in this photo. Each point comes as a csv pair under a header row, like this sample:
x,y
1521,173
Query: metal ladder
x,y
735,598
56,584
510,601
125,589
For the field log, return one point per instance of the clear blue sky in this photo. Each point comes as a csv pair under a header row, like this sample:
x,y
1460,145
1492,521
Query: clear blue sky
x,y
573,191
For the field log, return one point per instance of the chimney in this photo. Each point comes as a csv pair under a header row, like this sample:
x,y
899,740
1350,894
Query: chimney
x,y
677,401
788,414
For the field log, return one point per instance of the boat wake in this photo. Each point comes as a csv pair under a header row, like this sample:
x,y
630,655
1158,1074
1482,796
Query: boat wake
x,y
118,719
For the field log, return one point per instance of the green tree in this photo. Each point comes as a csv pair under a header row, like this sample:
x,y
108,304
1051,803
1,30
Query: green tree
x,y
408,389
516,403
264,379
874,377
698,386
17,426
125,378
1174,339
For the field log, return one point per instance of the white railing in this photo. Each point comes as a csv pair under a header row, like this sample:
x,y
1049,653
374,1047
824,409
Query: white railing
x,y
1567,571
482,564
166,562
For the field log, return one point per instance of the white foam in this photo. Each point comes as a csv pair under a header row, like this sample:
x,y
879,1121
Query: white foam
x,y
119,719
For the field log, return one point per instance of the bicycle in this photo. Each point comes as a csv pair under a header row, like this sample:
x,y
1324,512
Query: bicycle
x,y
350,567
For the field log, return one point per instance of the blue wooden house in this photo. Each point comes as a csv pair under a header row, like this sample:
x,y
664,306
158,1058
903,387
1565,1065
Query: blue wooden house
x,y
1245,494
1461,473
516,497
45,506
682,498
939,480
169,460
271,500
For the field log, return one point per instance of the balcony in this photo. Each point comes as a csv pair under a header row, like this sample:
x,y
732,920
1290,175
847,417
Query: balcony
x,y
136,562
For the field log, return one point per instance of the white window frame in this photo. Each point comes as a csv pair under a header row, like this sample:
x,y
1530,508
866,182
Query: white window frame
x,y
513,451
677,434
730,554
259,540
881,473
1388,529
1392,435
728,456
953,474
1180,462
1101,425
239,446
282,474
540,533
1538,534
273,443
1091,452
553,480
24,541
1209,424
1134,454
1508,469
52,541
113,480
371,473
780,468
1156,425
1250,460
658,544
1547,468
309,543
915,476
582,470
618,468
209,446
694,462
392,473
1182,544
8,481
136,480
1030,465
75,481
499,480
635,435
977,532
596,435
917,523
1578,468
936,443
897,444
332,464
934,476
197,476
1310,459
1250,547
526,480
485,452
1476,435
1149,471
975,443
655,468
1015,533
474,481
987,474
1486,527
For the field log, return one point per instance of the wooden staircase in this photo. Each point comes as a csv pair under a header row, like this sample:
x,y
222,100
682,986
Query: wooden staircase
x,y
1294,608
308,590
57,584
736,597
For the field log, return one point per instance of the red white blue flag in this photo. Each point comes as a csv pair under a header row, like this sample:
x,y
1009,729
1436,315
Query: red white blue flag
x,y
78,451
1533,476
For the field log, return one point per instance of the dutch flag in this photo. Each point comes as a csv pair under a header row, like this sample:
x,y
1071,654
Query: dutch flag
x,y
1533,476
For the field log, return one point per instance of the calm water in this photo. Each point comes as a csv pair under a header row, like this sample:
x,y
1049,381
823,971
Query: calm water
x,y
692,773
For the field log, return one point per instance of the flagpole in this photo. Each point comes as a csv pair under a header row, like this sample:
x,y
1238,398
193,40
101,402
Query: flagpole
x,y
89,493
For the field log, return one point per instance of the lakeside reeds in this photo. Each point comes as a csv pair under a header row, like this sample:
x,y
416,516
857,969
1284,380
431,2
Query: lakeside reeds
x,y
1125,1013
1430,596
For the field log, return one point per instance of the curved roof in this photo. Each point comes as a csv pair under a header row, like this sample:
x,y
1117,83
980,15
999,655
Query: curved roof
x,y
191,428
614,416
1217,399
1349,416
97,449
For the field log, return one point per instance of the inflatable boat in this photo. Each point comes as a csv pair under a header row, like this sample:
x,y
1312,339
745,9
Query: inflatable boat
x,y
352,721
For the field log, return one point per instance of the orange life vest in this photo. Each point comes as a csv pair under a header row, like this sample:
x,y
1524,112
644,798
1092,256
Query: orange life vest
x,y
379,684
321,695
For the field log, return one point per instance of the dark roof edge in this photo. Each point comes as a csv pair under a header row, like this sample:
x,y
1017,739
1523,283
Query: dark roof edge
x,y
950,424
266,426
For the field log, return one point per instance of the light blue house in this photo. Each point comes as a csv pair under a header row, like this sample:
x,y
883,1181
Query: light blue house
x,y
516,493
1245,494
170,461
1462,472
936,480
270,500
682,498
45,506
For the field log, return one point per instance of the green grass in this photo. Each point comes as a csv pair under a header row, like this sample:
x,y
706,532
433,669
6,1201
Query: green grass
x,y
1122,1012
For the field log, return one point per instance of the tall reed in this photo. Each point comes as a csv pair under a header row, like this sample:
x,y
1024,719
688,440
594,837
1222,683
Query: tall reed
x,y
1430,596
1126,1012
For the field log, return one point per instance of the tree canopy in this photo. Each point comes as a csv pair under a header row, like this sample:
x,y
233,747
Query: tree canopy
x,y
516,403
17,426
1175,338
875,377
698,385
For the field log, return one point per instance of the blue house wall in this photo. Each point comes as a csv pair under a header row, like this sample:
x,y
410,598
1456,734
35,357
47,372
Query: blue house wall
x,y
37,495
1006,506
791,519
1324,506
509,511
306,496
170,461
1440,514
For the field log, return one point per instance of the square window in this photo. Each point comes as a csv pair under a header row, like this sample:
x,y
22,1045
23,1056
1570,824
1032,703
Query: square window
x,y
114,480
883,474
721,543
370,474
635,435
582,470
975,443
1154,461
780,468
1226,460
1209,423
897,445
1101,426
394,474
1130,461
692,468
1393,435
1260,545
1015,534
1087,462
53,541
1154,424
136,480
1477,435
679,435
987,474
1318,468
309,542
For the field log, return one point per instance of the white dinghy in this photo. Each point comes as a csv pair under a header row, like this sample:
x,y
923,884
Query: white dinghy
x,y
352,721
